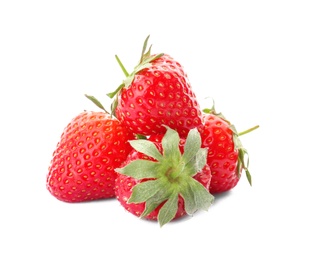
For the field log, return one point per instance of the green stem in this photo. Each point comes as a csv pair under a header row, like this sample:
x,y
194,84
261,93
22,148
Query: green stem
x,y
122,66
248,131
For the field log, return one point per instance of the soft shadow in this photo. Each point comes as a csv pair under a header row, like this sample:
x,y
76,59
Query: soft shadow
x,y
95,201
218,197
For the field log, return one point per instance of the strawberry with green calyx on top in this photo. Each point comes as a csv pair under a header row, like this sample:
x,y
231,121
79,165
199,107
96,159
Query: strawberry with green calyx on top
x,y
156,93
226,155
165,177
91,146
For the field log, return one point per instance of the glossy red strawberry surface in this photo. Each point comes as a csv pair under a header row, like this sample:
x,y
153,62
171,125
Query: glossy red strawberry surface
x,y
82,167
157,152
157,93
222,157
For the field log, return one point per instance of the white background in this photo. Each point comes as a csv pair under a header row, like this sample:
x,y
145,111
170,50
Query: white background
x,y
252,57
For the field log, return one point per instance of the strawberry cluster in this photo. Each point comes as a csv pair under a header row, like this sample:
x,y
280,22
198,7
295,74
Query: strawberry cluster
x,y
157,151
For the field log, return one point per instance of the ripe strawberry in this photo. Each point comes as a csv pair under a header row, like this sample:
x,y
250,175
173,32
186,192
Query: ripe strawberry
x,y
82,168
165,178
156,93
225,151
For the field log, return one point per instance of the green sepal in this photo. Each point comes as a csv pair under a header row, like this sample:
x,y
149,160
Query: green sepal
x,y
192,146
248,176
122,66
144,54
195,196
140,169
96,102
159,197
150,205
168,210
145,61
146,147
145,190
162,195
172,176
170,144
200,159
112,94
242,165
153,202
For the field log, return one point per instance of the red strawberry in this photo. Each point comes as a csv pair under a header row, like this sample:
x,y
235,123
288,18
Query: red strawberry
x,y
225,151
156,93
82,168
165,178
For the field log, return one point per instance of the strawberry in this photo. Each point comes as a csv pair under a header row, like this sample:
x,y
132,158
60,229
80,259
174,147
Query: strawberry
x,y
156,93
225,151
82,167
165,177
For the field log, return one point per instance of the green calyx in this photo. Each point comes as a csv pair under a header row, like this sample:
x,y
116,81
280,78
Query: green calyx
x,y
243,163
96,102
170,176
145,62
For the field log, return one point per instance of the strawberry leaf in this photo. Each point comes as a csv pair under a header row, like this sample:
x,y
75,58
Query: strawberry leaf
x,y
168,210
153,202
170,176
248,176
140,169
146,147
200,159
146,63
122,66
195,196
203,199
146,60
192,145
143,54
96,102
170,143
150,205
144,190
129,79
242,165
112,94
